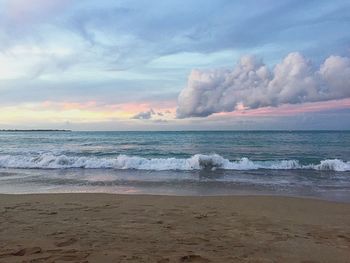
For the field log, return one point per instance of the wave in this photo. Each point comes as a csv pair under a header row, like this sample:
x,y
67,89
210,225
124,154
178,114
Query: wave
x,y
196,162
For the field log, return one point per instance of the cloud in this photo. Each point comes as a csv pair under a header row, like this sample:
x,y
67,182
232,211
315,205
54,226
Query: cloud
x,y
152,29
147,115
134,51
251,85
144,115
125,34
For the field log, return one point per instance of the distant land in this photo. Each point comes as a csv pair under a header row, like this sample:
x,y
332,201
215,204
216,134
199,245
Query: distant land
x,y
35,130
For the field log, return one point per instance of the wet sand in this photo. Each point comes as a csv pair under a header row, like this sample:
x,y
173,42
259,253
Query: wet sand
x,y
127,228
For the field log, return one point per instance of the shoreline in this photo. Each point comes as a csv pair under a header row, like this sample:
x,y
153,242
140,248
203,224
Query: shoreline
x,y
248,194
152,195
108,227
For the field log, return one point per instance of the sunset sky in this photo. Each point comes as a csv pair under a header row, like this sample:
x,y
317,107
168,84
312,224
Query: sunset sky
x,y
174,65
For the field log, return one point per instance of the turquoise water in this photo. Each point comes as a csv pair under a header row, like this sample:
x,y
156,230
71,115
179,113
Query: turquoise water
x,y
312,163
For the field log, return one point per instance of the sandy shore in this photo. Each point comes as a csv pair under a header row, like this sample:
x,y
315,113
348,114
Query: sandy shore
x,y
120,228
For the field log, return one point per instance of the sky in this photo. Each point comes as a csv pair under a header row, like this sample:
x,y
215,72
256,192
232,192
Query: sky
x,y
174,65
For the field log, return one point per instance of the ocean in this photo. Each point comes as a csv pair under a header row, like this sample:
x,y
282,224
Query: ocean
x,y
289,163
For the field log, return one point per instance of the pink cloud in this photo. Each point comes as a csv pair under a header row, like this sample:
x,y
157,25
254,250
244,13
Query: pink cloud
x,y
130,108
69,105
289,109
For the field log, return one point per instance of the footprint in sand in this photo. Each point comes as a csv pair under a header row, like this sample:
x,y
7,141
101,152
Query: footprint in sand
x,y
27,251
193,258
66,243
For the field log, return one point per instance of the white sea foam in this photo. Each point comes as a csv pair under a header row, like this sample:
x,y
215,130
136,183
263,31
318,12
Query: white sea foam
x,y
196,162
334,164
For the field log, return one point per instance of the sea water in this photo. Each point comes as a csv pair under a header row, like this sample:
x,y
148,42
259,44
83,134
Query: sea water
x,y
291,163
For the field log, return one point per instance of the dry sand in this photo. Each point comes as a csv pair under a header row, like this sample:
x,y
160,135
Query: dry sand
x,y
120,228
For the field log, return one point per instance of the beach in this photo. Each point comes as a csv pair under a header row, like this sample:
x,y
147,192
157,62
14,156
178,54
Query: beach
x,y
174,131
144,228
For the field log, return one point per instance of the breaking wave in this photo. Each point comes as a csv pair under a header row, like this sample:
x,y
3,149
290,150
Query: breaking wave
x,y
196,162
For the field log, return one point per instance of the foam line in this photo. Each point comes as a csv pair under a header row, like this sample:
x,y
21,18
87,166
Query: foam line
x,y
196,162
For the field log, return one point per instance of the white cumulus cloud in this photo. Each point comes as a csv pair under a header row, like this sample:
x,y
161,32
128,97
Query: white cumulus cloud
x,y
251,84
